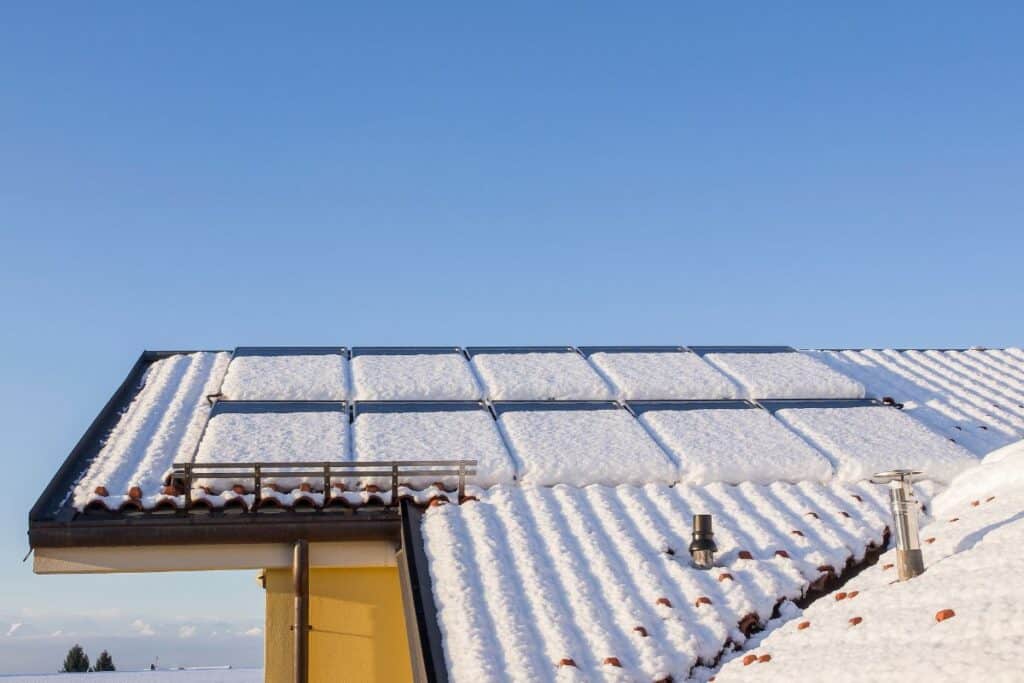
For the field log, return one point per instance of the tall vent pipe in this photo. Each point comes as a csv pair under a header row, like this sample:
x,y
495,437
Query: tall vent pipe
x,y
909,560
702,547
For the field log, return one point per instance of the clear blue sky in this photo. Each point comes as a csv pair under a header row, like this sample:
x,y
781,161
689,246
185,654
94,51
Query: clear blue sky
x,y
198,175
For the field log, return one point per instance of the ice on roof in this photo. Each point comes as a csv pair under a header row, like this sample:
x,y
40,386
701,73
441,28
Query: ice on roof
x,y
450,435
863,440
539,377
962,620
297,436
413,377
162,426
541,584
975,397
785,375
581,447
306,377
660,375
735,445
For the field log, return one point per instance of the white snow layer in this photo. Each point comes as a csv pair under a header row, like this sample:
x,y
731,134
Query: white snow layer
x,y
785,375
539,377
974,397
273,437
313,377
639,376
972,568
414,377
530,577
583,447
456,435
865,440
161,426
735,446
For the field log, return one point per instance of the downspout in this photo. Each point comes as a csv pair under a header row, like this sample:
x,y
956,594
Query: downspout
x,y
300,578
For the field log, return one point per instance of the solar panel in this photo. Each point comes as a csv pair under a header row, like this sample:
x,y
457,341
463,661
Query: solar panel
x,y
661,375
539,376
287,373
410,374
786,374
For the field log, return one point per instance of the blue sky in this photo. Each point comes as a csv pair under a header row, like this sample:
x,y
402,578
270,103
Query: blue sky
x,y
196,175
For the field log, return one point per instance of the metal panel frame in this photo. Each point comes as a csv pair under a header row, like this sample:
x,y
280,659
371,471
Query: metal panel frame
x,y
588,351
478,350
368,407
424,634
776,404
261,407
404,350
704,350
290,351
502,407
640,407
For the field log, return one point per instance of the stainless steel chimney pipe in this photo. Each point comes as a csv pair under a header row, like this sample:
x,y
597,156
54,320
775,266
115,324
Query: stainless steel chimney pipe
x,y
909,560
702,547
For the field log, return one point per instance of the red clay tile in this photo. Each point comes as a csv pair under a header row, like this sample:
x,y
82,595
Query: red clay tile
x,y
944,614
749,659
802,625
855,620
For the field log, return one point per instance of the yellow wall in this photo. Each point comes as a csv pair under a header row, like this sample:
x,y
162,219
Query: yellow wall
x,y
358,630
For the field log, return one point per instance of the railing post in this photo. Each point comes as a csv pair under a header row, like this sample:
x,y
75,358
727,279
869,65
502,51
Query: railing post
x,y
188,485
394,484
462,481
327,481
258,487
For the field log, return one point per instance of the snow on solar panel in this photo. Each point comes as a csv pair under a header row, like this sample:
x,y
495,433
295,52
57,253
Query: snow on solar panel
x,y
448,435
293,436
305,377
670,375
539,377
785,375
864,440
413,377
735,445
581,447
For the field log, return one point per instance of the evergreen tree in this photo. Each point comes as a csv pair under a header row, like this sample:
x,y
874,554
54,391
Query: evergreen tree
x,y
104,662
76,660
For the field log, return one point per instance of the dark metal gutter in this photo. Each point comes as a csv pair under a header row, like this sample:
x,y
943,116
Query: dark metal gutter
x,y
424,634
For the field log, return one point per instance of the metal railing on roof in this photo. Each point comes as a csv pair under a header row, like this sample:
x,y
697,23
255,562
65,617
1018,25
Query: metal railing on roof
x,y
184,474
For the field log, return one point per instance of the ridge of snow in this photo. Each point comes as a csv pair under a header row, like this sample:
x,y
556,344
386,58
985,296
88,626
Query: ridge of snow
x,y
661,375
539,377
785,375
306,377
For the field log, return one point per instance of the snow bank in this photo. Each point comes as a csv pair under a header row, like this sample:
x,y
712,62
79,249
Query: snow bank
x,y
864,440
583,447
312,377
532,576
414,377
161,426
888,631
454,435
539,377
273,437
735,446
639,376
785,375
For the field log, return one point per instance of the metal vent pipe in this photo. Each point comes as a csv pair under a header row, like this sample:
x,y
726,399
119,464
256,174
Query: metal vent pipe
x,y
702,547
909,560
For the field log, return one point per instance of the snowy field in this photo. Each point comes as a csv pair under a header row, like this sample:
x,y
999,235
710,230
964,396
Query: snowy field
x,y
183,676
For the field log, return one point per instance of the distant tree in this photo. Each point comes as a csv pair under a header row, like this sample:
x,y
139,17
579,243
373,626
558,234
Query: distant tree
x,y
104,662
76,660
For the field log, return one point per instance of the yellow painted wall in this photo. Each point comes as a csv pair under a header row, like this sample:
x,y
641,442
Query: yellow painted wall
x,y
358,630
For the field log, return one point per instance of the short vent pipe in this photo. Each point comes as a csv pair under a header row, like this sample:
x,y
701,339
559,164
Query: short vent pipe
x,y
702,547
909,560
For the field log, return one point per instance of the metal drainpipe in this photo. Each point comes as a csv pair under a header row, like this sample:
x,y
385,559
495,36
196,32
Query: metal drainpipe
x,y
909,560
300,579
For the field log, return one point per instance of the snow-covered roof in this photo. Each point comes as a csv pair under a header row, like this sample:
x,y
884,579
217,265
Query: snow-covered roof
x,y
567,557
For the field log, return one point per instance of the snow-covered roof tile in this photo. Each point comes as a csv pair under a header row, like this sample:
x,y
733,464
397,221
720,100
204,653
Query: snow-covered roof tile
x,y
663,375
291,377
565,583
583,447
785,375
735,445
544,376
413,377
863,440
429,435
962,620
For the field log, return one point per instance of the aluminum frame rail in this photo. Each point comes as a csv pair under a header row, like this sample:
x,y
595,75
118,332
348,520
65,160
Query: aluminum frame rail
x,y
184,474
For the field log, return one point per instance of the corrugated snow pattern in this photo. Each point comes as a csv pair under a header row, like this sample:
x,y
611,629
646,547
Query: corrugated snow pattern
x,y
160,427
584,447
539,377
865,440
638,376
273,437
785,375
313,377
414,377
530,576
457,435
972,568
735,446
975,397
